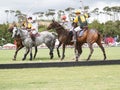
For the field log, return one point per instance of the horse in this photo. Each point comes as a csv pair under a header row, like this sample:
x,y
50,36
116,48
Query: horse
x,y
63,36
18,41
42,37
89,36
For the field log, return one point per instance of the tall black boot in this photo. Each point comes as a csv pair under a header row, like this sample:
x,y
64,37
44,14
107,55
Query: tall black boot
x,y
33,39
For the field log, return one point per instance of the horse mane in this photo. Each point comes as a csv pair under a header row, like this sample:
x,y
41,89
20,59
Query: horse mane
x,y
11,26
59,25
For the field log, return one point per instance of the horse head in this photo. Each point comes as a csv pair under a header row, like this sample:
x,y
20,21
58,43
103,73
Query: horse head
x,y
15,32
11,27
53,25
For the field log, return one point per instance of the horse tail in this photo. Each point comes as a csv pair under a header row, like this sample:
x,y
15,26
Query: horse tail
x,y
99,36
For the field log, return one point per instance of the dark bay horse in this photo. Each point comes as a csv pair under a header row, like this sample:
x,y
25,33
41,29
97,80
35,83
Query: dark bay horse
x,y
63,36
19,44
89,36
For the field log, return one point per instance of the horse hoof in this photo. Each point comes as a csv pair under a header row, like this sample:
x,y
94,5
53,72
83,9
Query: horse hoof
x,y
23,59
30,59
104,59
14,59
62,58
88,59
51,57
76,60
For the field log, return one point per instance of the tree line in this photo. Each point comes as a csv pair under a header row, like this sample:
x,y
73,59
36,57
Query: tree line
x,y
110,28
109,13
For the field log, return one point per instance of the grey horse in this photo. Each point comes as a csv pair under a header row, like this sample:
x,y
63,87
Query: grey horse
x,y
43,37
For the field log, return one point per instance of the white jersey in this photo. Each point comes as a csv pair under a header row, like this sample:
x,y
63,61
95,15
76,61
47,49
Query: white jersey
x,y
34,26
67,25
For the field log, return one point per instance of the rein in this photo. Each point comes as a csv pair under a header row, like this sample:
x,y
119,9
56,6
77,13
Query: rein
x,y
59,27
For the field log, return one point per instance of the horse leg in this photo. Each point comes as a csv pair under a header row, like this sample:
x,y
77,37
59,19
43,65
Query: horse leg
x,y
51,53
75,50
58,52
79,49
15,55
63,53
102,48
27,51
31,53
36,50
91,51
51,50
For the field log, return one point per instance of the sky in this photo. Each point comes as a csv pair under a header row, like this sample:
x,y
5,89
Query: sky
x,y
30,6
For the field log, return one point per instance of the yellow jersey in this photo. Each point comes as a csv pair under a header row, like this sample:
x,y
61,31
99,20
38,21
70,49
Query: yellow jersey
x,y
82,17
28,25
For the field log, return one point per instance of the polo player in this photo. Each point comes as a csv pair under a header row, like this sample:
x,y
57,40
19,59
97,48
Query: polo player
x,y
65,23
32,27
81,20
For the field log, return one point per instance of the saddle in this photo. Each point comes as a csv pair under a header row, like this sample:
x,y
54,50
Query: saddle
x,y
82,31
36,35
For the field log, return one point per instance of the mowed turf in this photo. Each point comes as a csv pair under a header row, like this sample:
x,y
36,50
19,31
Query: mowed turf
x,y
104,77
68,78
112,53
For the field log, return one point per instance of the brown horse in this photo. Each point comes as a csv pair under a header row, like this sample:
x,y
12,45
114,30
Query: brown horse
x,y
19,44
63,36
89,36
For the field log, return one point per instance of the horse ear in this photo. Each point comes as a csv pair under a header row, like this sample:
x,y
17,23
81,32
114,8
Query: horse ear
x,y
10,28
14,24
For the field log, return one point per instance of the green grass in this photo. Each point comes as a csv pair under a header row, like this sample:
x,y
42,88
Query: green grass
x,y
43,55
69,78
104,77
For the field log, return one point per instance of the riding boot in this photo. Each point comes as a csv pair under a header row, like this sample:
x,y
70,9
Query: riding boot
x,y
74,36
70,36
33,38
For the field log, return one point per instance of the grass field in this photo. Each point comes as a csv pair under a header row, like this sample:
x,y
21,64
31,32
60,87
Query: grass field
x,y
112,53
105,77
69,78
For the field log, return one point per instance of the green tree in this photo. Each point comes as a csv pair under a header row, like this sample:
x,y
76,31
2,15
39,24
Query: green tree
x,y
112,28
96,25
5,36
7,12
86,8
69,11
